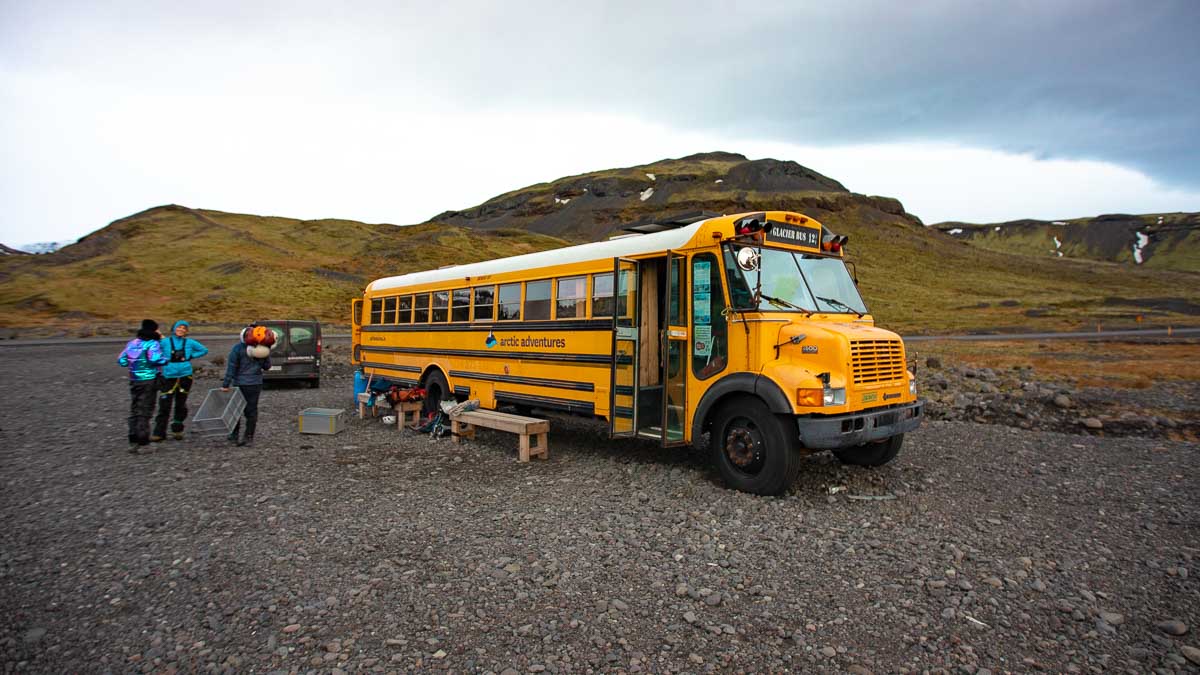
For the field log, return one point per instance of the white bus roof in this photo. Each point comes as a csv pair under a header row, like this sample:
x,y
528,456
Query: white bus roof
x,y
613,248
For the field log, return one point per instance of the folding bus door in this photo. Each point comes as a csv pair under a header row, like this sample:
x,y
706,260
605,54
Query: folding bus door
x,y
623,393
675,350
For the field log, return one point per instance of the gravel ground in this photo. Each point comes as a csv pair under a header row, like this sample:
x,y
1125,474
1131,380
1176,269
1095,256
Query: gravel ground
x,y
982,548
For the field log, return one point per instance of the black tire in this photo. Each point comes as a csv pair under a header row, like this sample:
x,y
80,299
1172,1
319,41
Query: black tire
x,y
315,383
871,454
436,390
755,450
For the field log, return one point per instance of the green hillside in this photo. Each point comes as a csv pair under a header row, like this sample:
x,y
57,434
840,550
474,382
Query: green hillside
x,y
214,267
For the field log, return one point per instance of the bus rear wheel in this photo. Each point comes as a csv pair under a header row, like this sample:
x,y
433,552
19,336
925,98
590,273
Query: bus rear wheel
x,y
871,454
755,450
436,390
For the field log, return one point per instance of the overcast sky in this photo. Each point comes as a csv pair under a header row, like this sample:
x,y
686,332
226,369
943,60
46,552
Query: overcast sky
x,y
395,111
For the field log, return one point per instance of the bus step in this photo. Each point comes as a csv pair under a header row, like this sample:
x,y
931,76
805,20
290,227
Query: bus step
x,y
650,432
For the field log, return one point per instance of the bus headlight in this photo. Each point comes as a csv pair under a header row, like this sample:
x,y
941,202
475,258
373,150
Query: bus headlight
x,y
835,396
912,386
816,398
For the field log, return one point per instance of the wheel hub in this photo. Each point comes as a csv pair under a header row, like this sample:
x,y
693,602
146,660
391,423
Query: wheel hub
x,y
741,447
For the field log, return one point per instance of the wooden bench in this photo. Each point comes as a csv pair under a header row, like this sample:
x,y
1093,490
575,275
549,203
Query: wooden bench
x,y
463,426
404,409
364,398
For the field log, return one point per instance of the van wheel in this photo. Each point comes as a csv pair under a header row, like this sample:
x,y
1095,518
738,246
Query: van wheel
x,y
755,450
871,454
436,390
315,383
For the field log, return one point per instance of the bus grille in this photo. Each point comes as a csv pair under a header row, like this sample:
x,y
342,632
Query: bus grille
x,y
877,361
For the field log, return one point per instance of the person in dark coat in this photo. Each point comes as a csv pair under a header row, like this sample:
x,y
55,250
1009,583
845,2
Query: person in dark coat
x,y
144,358
176,380
244,368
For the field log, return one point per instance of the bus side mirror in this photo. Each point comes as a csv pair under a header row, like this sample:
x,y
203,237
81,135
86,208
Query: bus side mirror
x,y
747,259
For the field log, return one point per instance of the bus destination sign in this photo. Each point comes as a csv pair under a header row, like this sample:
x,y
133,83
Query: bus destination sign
x,y
782,233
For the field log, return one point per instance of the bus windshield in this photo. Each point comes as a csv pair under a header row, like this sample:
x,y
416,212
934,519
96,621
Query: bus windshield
x,y
794,281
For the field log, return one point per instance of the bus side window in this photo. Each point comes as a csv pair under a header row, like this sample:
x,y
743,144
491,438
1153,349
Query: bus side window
x,y
485,303
405,310
572,298
709,327
441,306
376,311
389,309
537,300
421,313
510,302
602,294
460,306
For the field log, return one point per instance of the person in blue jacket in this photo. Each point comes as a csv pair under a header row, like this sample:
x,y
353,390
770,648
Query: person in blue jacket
x,y
176,380
144,358
244,368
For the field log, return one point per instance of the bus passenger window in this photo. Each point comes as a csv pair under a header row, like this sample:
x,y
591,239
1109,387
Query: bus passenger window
x,y
460,308
421,311
537,300
602,294
441,306
485,303
389,310
572,298
405,315
510,302
376,311
709,326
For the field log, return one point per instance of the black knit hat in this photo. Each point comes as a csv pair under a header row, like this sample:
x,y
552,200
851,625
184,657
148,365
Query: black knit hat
x,y
149,325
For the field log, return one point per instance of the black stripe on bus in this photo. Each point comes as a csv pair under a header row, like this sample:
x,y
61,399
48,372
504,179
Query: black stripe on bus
x,y
393,366
622,412
532,381
623,390
566,324
565,404
465,392
391,378
604,359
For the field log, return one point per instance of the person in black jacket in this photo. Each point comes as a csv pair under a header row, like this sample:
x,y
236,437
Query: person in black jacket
x,y
244,368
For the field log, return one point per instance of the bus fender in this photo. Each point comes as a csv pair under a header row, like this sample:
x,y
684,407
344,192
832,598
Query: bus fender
x,y
434,368
739,383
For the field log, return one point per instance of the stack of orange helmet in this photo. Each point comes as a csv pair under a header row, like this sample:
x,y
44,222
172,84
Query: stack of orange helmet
x,y
258,340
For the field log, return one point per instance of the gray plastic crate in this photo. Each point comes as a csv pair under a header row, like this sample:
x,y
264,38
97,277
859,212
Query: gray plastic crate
x,y
219,413
322,420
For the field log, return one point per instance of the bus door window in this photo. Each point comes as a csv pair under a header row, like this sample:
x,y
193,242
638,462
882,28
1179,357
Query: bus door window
x,y
485,303
421,308
460,308
405,315
389,310
441,306
571,302
510,302
602,295
537,300
376,311
710,329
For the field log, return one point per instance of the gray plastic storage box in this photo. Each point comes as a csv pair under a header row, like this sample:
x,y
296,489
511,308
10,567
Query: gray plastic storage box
x,y
219,413
322,420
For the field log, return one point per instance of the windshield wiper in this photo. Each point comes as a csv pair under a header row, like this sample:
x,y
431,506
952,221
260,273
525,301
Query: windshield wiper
x,y
839,303
784,303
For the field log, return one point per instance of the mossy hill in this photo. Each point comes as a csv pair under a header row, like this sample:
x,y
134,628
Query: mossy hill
x,y
213,267
1168,241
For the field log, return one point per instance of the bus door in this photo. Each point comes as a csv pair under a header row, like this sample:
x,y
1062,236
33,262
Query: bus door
x,y
675,349
623,392
356,307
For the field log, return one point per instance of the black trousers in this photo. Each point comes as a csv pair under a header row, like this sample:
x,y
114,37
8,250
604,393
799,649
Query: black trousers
x,y
250,392
172,390
141,408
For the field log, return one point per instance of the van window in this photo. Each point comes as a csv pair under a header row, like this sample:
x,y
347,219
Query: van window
x,y
571,302
405,315
510,302
389,310
301,336
460,309
537,300
421,308
485,303
602,294
377,311
441,306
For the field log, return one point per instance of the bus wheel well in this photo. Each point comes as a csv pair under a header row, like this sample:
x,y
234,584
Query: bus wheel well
x,y
436,386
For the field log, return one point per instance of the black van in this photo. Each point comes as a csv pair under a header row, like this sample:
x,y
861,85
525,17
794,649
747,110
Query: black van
x,y
296,354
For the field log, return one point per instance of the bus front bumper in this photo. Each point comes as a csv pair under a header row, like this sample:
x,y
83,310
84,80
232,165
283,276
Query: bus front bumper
x,y
843,431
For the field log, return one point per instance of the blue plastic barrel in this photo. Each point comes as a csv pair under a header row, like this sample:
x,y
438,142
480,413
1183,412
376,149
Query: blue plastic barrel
x,y
360,386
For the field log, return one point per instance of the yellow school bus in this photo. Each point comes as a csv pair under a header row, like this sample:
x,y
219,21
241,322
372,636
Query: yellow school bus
x,y
748,328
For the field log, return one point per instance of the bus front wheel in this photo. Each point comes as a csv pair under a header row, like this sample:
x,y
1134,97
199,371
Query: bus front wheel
x,y
871,454
755,450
